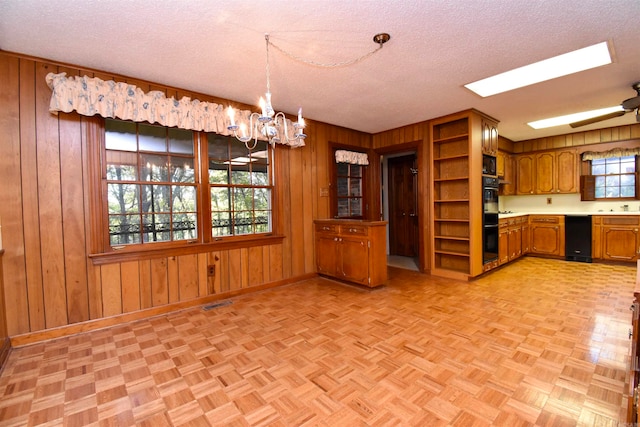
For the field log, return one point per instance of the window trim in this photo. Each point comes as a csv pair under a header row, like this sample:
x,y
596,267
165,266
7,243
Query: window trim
x,y
100,250
588,190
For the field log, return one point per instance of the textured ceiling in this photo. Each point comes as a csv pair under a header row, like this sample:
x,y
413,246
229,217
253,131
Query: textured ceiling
x,y
218,48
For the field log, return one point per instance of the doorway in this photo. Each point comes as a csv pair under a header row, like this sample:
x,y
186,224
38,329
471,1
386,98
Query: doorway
x,y
401,182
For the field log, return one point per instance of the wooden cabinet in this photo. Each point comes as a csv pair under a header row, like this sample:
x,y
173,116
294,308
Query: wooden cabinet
x,y
510,238
548,172
556,172
616,237
525,174
489,136
547,235
352,250
456,192
506,173
526,237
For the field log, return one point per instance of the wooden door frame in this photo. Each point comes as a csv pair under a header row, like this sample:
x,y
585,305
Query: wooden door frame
x,y
423,177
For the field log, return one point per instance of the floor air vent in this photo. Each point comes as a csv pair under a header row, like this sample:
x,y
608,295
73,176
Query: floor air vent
x,y
216,305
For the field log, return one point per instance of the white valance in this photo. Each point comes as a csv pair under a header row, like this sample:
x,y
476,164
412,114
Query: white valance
x,y
90,96
353,157
615,152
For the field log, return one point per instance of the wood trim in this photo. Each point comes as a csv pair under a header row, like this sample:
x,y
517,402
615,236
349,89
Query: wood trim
x,y
63,331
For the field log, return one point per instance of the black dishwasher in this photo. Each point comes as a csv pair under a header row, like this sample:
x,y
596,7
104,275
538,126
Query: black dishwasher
x,y
577,238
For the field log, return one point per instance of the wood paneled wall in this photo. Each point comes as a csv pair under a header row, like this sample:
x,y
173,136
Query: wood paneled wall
x,y
599,136
51,285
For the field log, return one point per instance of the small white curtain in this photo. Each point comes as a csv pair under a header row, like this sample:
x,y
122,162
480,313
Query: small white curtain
x,y
352,157
90,96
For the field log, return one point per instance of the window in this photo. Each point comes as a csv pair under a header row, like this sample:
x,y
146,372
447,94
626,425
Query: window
x,y
615,177
239,187
160,193
349,190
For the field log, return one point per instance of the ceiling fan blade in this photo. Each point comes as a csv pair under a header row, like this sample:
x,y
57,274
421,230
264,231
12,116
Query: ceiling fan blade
x,y
597,119
631,103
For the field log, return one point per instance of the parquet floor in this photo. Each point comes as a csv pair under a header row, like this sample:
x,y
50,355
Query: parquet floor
x,y
538,343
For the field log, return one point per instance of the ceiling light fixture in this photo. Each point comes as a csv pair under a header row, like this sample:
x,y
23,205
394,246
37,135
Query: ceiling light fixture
x,y
575,117
558,66
267,123
272,125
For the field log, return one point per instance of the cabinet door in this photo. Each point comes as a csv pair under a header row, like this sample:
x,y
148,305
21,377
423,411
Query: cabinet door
x,y
327,255
546,239
545,173
567,172
620,243
515,243
355,259
503,245
525,165
526,239
489,137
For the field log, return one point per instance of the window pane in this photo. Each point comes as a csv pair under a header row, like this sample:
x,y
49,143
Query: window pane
x,y
120,135
184,198
343,169
123,198
122,166
263,221
261,198
156,198
220,199
184,226
259,174
180,141
152,138
182,169
221,223
343,187
356,207
242,198
343,207
154,168
612,168
356,170
156,228
240,174
243,222
355,187
124,229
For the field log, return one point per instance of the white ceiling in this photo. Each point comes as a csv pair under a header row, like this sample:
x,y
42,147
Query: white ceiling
x,y
217,47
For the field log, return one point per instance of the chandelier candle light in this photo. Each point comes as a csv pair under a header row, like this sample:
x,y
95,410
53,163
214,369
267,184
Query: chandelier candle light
x,y
267,123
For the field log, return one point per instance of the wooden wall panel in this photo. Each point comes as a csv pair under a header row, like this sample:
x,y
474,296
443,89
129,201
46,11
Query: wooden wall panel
x,y
111,279
73,230
188,276
11,207
130,272
159,282
173,279
255,266
50,203
146,292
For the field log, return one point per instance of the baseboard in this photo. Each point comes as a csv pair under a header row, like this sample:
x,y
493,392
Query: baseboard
x,y
92,325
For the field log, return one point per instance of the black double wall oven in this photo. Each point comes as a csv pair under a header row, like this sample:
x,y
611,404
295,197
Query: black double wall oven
x,y
490,228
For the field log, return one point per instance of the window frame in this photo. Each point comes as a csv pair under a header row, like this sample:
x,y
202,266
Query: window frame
x,y
100,249
588,185
333,172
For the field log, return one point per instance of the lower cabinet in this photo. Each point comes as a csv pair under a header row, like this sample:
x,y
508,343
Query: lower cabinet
x,y
547,235
616,238
511,238
633,390
351,250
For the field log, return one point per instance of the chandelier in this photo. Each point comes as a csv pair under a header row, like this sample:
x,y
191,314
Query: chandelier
x,y
275,127
268,124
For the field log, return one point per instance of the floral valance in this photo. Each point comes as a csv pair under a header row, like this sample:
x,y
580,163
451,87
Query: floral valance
x,y
90,96
355,158
616,152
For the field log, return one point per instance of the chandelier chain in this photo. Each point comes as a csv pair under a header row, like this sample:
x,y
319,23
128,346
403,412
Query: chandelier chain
x,y
318,64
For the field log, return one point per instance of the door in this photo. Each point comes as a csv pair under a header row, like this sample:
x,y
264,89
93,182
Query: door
x,y
403,209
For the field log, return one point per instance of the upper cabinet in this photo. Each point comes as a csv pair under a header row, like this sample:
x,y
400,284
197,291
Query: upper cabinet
x,y
548,172
489,136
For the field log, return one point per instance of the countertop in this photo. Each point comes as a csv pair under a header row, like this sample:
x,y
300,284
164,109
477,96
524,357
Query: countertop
x,y
514,214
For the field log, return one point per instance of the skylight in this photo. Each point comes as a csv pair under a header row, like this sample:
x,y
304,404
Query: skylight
x,y
558,66
571,118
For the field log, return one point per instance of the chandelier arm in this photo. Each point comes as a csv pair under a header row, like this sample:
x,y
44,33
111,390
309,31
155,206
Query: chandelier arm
x,y
317,64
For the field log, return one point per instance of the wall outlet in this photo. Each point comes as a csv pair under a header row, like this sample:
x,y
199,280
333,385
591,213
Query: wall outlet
x,y
548,200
